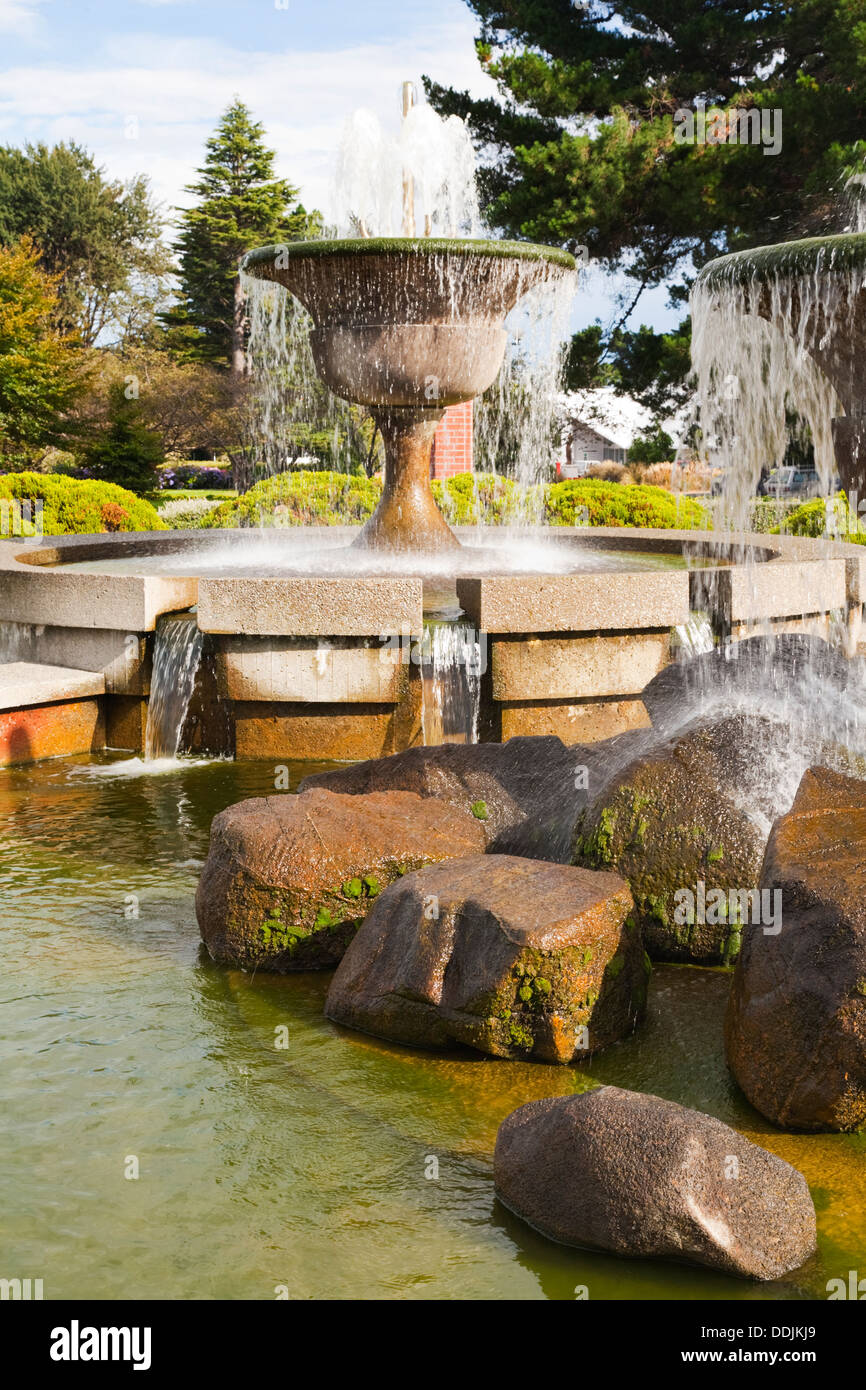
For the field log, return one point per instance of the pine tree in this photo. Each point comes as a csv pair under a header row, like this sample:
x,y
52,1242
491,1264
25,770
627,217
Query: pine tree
x,y
581,147
128,452
239,205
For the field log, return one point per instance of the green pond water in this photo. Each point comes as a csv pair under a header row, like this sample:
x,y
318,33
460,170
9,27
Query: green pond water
x,y
303,1167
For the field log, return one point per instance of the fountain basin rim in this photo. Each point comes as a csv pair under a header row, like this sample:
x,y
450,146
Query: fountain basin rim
x,y
786,260
407,246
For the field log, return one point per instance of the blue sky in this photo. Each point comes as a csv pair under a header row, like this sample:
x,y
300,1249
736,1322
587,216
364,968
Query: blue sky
x,y
141,83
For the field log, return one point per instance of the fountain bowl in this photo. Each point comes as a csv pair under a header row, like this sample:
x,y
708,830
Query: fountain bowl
x,y
408,326
816,289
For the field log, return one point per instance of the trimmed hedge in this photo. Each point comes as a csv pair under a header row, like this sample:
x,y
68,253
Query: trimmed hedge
x,y
76,507
331,499
305,498
593,502
811,520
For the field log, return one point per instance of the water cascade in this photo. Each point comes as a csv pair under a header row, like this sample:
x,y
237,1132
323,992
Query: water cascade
x,y
451,670
776,341
176,657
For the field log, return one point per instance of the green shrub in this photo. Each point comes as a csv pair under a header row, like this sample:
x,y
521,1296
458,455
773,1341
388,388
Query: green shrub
x,y
470,498
592,502
811,520
330,499
72,507
304,498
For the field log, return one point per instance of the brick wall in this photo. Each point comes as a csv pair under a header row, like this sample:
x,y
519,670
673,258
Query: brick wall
x,y
452,444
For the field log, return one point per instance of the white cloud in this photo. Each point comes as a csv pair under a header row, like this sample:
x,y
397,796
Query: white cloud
x,y
169,93
19,17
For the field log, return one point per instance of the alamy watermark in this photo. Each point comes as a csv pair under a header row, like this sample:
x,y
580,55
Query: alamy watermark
x,y
22,517
737,906
712,125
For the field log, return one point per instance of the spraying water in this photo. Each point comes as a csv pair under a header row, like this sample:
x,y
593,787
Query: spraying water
x,y
176,657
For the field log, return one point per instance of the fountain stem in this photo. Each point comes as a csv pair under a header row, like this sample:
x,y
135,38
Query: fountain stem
x,y
407,517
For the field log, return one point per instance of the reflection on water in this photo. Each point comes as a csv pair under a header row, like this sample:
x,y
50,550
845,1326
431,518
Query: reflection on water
x,y
302,1167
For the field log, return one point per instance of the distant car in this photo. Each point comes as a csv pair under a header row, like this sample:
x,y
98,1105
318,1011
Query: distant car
x,y
572,470
791,482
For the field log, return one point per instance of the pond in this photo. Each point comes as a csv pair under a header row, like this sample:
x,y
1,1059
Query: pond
x,y
310,1167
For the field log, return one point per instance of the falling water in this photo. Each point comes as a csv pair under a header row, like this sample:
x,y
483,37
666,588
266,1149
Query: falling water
x,y
756,374
176,657
451,669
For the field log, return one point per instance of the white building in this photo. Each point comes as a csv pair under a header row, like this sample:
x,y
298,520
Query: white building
x,y
600,426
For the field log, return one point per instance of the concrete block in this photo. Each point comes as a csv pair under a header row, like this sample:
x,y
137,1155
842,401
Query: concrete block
x,y
51,731
592,602
287,731
590,722
122,657
547,668
286,669
349,606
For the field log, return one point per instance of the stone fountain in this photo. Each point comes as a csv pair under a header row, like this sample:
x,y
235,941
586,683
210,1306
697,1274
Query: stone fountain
x,y
814,292
407,327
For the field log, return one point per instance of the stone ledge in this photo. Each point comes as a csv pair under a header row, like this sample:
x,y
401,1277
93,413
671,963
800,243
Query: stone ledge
x,y
549,668
311,606
590,602
24,684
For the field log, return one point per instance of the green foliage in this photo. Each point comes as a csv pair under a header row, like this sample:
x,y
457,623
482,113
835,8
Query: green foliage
x,y
331,499
590,501
99,237
128,452
304,498
73,508
811,520
479,810
653,447
40,377
470,498
239,205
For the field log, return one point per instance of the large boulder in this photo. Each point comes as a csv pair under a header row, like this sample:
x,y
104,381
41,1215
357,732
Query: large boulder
x,y
796,1027
512,956
288,878
678,820
504,785
642,1177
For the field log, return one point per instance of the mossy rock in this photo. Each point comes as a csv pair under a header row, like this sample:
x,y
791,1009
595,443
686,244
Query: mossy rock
x,y
522,959
669,822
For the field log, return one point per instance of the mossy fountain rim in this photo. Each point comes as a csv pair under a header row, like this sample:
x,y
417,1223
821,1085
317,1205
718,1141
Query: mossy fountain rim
x,y
405,246
822,255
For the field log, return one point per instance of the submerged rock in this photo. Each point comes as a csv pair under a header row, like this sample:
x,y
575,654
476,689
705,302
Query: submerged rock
x,y
795,1032
288,878
503,785
514,957
640,1176
677,821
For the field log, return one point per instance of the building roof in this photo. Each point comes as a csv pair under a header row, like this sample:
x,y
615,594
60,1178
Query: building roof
x,y
618,418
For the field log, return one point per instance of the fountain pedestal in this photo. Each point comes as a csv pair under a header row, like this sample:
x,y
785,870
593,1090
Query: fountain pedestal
x,y
407,517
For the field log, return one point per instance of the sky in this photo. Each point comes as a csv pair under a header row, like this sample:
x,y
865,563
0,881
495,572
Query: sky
x,y
142,83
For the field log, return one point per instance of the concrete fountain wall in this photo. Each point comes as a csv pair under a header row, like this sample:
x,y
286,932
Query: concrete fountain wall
x,y
300,661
